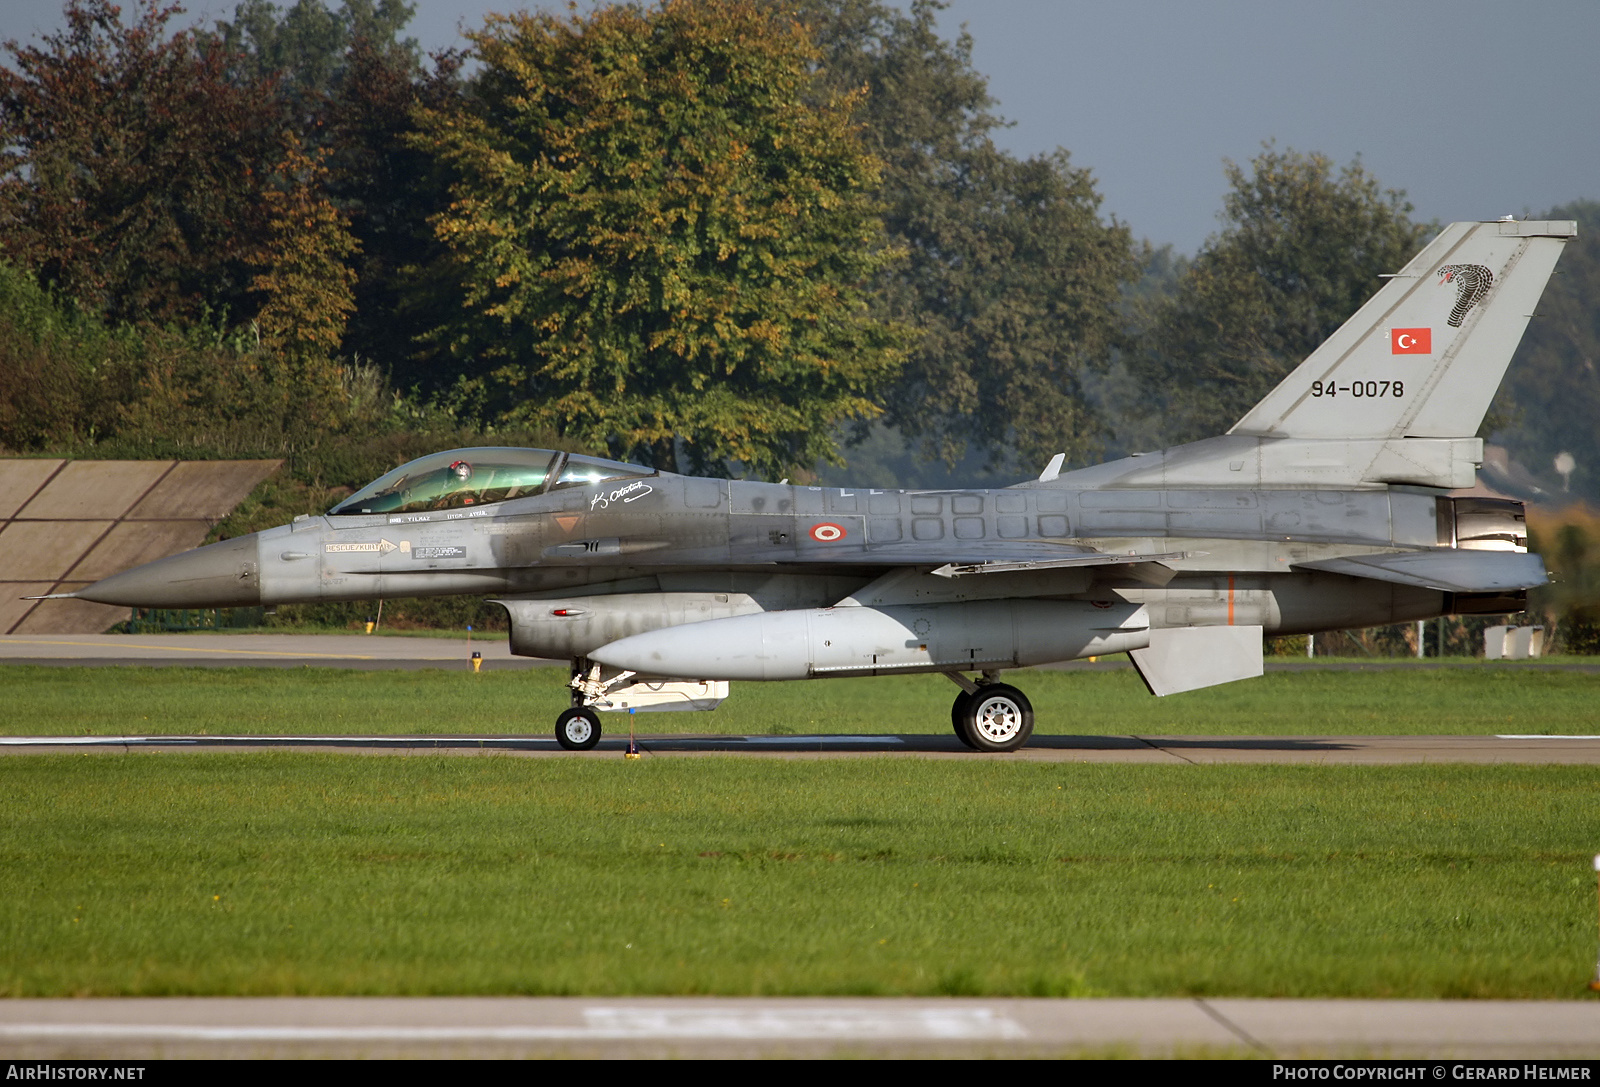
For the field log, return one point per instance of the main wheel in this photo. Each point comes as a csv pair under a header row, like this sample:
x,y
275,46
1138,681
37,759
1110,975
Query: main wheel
x,y
958,718
578,729
998,718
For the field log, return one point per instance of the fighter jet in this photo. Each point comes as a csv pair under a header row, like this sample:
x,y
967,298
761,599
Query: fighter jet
x,y
1326,507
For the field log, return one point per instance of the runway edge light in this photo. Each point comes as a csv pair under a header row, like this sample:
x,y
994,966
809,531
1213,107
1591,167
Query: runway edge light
x,y
1594,986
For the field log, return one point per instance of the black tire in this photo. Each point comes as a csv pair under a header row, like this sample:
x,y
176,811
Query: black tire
x,y
958,719
578,729
997,718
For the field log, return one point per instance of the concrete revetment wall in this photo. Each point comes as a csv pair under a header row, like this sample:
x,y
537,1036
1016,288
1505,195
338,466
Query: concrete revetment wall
x,y
67,523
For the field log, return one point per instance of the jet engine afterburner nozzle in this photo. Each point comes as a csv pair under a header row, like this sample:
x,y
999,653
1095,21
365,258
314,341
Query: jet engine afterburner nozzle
x,y
219,575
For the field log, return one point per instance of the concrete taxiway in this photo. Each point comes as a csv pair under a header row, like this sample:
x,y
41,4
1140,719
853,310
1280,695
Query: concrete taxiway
x,y
225,650
1173,750
261,651
816,1027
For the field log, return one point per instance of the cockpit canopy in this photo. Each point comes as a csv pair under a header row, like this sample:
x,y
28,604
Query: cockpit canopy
x,y
477,477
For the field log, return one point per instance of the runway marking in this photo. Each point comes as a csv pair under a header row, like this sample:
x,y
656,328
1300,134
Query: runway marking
x,y
415,741
839,739
844,1023
245,651
272,741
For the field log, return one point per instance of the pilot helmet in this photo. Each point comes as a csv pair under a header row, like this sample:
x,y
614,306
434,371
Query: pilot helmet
x,y
461,470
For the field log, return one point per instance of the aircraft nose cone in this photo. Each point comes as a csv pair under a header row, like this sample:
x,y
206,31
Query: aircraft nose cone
x,y
219,575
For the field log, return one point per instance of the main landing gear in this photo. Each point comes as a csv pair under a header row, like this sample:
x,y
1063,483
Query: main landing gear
x,y
990,716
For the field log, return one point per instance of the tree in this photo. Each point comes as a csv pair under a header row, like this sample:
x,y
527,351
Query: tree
x,y
306,49
350,83
307,285
1301,249
1011,280
132,168
389,187
659,241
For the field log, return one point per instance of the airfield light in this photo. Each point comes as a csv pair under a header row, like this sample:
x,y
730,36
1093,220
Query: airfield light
x,y
477,660
1595,984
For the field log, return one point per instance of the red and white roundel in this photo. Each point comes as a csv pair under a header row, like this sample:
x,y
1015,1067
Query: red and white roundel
x,y
827,532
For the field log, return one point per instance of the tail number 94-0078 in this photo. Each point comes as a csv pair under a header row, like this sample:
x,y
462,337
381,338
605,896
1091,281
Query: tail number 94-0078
x,y
1359,389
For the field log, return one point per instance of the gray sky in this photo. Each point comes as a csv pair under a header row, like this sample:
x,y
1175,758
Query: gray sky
x,y
1477,108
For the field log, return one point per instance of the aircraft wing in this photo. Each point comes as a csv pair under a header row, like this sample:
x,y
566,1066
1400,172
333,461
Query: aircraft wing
x,y
1456,571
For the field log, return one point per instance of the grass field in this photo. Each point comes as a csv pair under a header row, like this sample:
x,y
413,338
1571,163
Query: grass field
x,y
290,873
1469,699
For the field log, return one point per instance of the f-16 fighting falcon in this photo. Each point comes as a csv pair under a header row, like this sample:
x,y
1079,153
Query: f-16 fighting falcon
x,y
1326,507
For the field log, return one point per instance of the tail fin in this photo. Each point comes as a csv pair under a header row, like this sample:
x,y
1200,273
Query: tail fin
x,y
1424,356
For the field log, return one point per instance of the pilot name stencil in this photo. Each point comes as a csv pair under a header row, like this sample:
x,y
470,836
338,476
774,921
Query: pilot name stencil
x,y
631,493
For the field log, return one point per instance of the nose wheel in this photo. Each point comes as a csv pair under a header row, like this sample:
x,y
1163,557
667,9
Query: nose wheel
x,y
995,717
578,729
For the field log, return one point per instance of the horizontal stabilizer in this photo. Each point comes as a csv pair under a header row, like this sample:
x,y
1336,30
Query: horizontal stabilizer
x,y
1182,659
1445,568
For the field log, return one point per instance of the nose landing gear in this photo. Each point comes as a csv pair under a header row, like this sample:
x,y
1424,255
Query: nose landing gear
x,y
578,729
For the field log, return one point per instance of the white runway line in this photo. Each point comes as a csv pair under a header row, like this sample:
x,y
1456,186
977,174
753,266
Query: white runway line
x,y
409,741
795,739
601,1024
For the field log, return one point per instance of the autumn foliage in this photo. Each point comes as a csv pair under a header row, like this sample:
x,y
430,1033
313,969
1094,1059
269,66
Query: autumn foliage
x,y
658,238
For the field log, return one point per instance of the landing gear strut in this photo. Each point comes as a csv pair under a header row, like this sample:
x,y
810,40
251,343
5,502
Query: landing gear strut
x,y
578,728
991,716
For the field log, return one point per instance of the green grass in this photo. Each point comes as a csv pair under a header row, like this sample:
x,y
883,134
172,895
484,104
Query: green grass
x,y
1470,699
289,873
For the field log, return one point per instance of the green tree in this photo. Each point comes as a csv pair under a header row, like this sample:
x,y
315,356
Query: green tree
x,y
305,49
659,240
1302,247
1011,280
132,168
63,374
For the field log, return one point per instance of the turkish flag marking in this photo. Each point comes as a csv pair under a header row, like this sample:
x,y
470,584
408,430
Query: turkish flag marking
x,y
1411,341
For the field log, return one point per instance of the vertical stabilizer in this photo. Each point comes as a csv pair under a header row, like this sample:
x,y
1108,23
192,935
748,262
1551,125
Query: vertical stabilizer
x,y
1424,356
